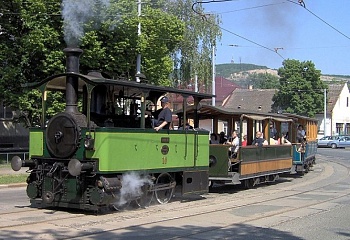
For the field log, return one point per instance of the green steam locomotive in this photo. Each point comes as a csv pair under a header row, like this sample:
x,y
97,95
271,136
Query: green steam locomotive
x,y
104,152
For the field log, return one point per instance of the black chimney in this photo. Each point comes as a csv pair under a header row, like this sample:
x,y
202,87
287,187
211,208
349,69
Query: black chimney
x,y
72,66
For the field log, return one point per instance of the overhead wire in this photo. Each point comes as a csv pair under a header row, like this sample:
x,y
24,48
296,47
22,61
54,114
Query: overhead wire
x,y
250,8
301,3
203,15
251,41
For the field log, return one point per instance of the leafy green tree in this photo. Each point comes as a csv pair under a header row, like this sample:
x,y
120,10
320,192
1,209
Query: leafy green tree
x,y
32,39
30,50
264,80
301,89
194,56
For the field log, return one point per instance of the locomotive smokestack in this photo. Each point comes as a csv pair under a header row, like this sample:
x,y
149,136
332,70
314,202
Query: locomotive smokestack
x,y
72,65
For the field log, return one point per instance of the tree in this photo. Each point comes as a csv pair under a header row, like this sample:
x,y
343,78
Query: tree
x,y
32,36
264,80
30,50
194,56
301,88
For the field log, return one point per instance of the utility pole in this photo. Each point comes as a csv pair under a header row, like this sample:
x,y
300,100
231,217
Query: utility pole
x,y
196,82
325,111
213,77
138,60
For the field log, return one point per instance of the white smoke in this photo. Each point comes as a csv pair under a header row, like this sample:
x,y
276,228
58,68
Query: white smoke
x,y
131,187
77,13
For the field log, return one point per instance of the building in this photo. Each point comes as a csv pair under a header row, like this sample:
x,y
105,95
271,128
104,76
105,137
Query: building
x,y
251,100
337,120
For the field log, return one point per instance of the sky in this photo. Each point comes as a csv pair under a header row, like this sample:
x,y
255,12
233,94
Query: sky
x,y
319,33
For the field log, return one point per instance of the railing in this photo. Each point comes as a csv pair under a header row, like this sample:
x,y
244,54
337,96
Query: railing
x,y
7,154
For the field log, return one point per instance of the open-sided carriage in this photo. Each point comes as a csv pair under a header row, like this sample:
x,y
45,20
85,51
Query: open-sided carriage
x,y
252,164
304,152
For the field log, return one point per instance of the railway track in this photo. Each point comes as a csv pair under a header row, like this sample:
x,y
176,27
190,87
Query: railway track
x,y
82,226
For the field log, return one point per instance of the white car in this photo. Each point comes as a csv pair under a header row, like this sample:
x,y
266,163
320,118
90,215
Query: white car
x,y
341,142
323,142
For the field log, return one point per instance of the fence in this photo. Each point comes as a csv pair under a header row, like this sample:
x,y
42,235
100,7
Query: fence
x,y
6,156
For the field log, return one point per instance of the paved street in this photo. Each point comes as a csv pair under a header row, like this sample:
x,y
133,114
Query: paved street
x,y
308,207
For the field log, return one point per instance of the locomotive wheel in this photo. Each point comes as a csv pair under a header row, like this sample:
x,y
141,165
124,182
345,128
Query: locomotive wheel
x,y
163,195
146,198
120,207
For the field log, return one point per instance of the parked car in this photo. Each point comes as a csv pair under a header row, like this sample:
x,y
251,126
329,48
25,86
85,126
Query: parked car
x,y
342,142
323,142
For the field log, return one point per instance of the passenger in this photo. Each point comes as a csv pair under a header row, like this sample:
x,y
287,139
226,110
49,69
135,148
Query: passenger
x,y
286,136
273,141
234,141
259,141
213,139
300,134
164,118
283,140
273,132
187,127
222,138
244,142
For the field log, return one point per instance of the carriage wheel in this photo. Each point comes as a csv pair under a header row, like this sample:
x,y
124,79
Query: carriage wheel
x,y
307,168
249,183
146,198
163,195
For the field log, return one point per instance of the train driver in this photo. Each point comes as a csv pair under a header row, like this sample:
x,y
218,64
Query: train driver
x,y
164,118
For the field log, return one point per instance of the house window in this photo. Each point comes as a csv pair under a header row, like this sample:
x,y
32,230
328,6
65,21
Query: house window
x,y
347,129
347,101
339,128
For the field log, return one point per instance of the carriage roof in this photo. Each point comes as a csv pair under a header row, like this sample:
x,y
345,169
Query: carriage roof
x,y
210,112
58,82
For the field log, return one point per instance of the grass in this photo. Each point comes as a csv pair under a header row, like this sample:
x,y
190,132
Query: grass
x,y
17,178
12,178
5,165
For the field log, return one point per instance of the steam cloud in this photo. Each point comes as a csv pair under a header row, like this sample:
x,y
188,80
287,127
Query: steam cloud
x,y
131,187
77,13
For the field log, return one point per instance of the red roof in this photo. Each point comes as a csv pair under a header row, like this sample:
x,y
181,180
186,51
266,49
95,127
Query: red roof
x,y
223,89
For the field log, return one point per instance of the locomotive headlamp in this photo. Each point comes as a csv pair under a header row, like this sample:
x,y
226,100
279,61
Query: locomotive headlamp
x,y
89,143
16,163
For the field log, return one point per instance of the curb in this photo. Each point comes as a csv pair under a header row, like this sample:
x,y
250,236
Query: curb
x,y
13,185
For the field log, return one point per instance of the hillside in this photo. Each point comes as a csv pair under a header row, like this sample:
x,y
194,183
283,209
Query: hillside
x,y
240,71
227,69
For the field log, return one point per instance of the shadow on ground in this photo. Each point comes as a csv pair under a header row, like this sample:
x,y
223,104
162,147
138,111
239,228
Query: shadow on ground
x,y
238,232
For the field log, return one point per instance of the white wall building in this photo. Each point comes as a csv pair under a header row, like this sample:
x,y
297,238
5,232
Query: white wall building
x,y
338,112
